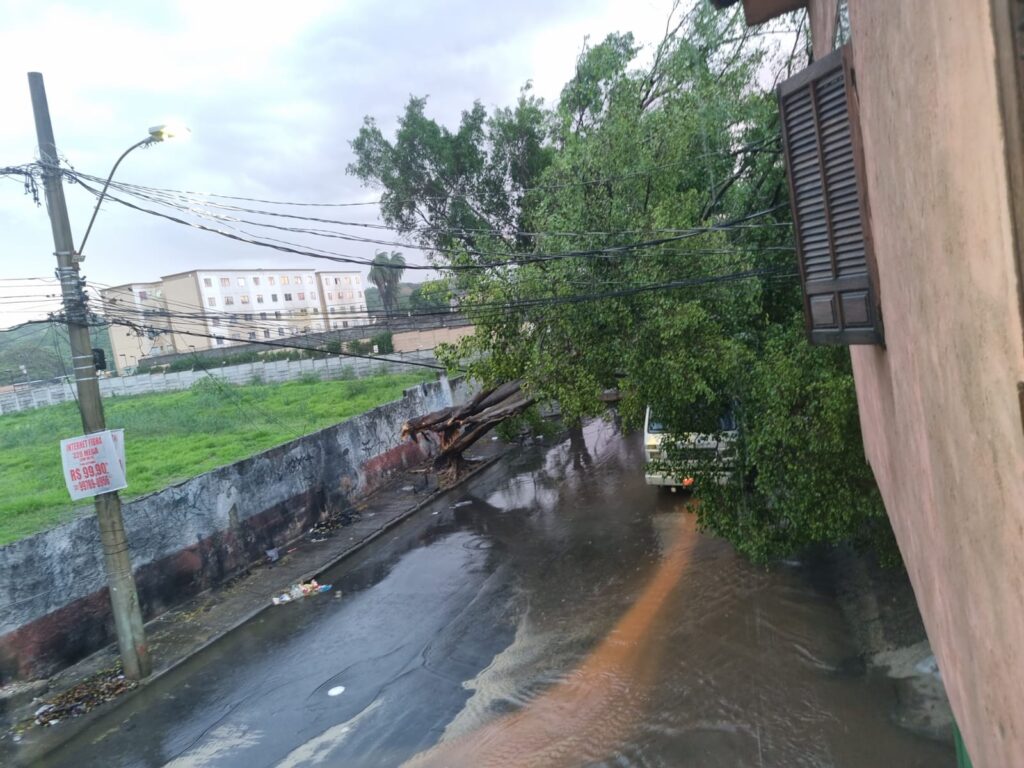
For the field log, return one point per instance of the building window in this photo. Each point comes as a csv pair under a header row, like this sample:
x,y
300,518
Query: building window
x,y
256,280
244,298
287,297
309,279
280,331
263,315
270,280
355,280
312,295
315,311
348,280
298,279
303,311
259,298
330,295
241,282
208,282
212,301
277,315
228,301
225,282
360,294
266,333
220,341
344,323
248,317
302,296
824,162
143,295
337,281
273,297
252,335
284,280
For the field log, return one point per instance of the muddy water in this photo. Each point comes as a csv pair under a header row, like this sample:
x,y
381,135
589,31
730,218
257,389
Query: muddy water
x,y
713,662
554,612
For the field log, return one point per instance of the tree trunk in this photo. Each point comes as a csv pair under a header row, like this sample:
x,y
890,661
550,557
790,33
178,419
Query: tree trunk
x,y
456,428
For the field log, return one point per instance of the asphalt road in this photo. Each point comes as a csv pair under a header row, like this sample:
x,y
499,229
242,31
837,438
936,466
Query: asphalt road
x,y
555,611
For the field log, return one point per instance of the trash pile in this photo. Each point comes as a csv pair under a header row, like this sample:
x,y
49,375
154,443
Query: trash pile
x,y
300,590
321,530
90,693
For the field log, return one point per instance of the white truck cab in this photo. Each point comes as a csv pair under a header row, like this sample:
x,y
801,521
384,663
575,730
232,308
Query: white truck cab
x,y
698,451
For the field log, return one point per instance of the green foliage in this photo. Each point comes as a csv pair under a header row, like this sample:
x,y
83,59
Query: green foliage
x,y
360,347
386,274
684,144
529,422
431,296
383,342
172,436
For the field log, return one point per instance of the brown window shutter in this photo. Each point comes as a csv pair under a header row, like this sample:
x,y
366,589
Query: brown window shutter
x,y
825,166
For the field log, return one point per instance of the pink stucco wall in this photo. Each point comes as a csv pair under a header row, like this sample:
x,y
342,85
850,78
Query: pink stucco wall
x,y
938,406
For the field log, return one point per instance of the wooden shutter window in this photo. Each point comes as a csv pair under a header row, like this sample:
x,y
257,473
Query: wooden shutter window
x,y
824,163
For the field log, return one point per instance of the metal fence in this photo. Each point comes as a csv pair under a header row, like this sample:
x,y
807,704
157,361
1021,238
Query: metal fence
x,y
40,394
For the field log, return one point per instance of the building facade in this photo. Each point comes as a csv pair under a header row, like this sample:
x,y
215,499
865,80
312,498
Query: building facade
x,y
202,309
930,92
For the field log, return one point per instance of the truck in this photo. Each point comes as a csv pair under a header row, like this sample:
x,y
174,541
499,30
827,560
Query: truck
x,y
703,455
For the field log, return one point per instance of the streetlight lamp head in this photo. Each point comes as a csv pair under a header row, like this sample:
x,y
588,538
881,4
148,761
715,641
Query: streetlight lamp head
x,y
169,131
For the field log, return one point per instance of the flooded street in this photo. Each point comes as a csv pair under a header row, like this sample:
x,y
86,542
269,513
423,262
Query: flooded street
x,y
554,611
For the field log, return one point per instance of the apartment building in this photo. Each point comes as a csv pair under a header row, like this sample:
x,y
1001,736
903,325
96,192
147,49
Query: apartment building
x,y
202,309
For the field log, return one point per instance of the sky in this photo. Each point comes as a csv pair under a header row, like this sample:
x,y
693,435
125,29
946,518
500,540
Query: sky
x,y
272,93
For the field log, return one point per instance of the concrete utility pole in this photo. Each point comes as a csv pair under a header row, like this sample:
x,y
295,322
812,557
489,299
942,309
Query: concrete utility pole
x,y
124,598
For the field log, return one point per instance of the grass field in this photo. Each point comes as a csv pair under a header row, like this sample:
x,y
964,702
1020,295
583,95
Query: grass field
x,y
171,437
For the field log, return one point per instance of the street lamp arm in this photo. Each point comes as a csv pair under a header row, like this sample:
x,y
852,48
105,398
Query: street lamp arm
x,y
144,143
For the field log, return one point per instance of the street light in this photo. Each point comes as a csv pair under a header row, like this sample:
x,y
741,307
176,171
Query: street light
x,y
157,134
124,597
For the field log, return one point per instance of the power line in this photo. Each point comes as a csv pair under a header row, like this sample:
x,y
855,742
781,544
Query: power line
x,y
740,150
514,259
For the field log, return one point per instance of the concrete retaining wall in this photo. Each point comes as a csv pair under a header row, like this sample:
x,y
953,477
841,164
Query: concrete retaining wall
x,y
54,608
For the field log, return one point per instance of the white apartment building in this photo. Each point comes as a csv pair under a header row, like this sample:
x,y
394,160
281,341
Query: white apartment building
x,y
202,309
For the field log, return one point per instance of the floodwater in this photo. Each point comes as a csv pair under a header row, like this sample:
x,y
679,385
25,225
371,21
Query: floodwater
x,y
555,611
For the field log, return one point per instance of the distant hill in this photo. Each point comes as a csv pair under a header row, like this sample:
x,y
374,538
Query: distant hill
x,y
43,349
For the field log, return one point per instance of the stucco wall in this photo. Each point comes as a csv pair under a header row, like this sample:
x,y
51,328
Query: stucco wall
x,y
186,538
410,341
938,406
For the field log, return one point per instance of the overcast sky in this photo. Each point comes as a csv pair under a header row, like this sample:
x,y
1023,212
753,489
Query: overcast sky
x,y
273,92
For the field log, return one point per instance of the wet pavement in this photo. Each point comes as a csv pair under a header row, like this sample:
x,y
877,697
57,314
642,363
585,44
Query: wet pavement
x,y
554,611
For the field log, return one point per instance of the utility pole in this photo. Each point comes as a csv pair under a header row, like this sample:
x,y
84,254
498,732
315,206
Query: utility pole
x,y
124,598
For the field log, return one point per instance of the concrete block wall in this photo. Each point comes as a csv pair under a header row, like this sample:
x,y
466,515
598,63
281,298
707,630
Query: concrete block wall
x,y
54,607
40,394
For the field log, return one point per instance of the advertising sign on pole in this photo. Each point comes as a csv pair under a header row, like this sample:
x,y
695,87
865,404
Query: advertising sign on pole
x,y
93,464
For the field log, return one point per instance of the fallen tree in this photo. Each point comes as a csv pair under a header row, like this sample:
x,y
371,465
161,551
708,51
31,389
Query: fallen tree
x,y
456,428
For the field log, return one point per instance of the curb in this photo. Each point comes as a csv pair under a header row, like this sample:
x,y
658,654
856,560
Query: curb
x,y
28,754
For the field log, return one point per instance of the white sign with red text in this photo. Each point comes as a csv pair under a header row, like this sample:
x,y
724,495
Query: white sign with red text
x,y
93,464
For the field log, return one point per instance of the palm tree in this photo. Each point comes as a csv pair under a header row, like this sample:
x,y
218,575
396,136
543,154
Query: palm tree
x,y
386,274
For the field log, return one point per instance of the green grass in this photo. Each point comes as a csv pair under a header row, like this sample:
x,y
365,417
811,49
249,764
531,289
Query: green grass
x,y
171,437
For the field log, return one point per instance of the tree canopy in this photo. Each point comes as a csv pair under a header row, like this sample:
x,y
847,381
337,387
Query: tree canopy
x,y
636,234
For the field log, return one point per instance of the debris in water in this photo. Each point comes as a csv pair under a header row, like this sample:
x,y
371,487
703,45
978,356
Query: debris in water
x,y
336,690
300,590
87,695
